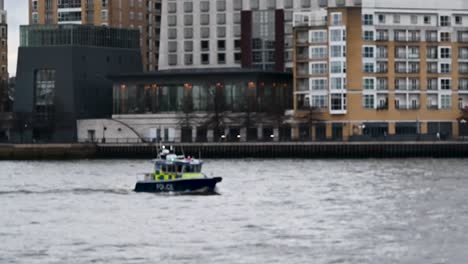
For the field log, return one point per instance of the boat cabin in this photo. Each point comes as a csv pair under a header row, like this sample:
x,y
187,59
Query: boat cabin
x,y
173,168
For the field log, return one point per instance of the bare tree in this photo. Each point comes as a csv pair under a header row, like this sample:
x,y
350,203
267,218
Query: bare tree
x,y
216,116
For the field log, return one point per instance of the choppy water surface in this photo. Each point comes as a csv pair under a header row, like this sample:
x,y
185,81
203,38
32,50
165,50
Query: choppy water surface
x,y
269,211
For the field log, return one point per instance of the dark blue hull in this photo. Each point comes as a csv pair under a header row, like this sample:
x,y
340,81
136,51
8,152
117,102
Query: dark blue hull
x,y
206,185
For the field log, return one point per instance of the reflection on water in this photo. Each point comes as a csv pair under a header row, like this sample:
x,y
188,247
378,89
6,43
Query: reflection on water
x,y
269,211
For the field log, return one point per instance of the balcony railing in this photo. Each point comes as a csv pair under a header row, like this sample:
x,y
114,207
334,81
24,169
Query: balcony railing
x,y
433,107
407,107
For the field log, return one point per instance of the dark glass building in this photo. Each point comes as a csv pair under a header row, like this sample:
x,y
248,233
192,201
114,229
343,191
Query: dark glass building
x,y
263,39
233,90
62,76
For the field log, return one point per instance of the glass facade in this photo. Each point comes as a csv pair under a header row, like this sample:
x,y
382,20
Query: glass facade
x,y
263,39
44,91
235,96
78,35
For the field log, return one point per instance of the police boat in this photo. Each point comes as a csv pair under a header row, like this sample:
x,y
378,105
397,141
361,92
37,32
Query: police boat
x,y
176,174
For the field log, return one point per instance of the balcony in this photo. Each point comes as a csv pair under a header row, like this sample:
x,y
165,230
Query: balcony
x,y
464,111
407,107
462,37
433,107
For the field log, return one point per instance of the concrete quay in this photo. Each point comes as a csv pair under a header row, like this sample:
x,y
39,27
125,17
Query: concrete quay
x,y
437,149
46,151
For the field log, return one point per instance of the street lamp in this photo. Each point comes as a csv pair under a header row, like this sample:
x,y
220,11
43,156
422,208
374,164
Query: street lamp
x,y
362,127
463,124
104,134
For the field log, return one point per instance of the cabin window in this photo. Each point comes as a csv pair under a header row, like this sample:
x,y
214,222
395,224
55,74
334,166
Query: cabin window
x,y
161,178
170,168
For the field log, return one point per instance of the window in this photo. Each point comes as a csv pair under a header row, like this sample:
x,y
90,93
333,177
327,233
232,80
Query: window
x,y
368,35
369,84
188,20
318,52
444,21
335,51
172,59
382,52
413,84
382,35
382,84
381,19
204,6
432,84
319,101
382,67
369,67
45,90
445,53
205,32
368,101
400,83
414,19
414,35
188,59
400,67
446,101
319,84
221,58
400,35
446,84
336,35
458,20
432,53
431,36
336,67
427,20
205,58
188,7
445,68
368,19
205,45
221,44
396,19
221,5
368,52
188,33
463,53
172,33
336,83
318,37
319,68
445,37
221,19
336,19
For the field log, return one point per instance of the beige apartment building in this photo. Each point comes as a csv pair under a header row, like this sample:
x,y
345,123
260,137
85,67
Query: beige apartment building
x,y
144,15
373,69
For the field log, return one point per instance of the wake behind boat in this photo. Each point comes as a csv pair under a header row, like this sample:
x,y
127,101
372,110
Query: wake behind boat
x,y
177,174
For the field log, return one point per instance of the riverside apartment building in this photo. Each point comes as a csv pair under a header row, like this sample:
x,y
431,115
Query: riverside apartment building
x,y
144,15
382,69
230,33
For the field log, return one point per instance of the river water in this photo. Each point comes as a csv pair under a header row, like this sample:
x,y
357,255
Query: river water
x,y
268,211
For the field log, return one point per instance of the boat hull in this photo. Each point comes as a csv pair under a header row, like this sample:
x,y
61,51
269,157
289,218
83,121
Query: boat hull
x,y
205,185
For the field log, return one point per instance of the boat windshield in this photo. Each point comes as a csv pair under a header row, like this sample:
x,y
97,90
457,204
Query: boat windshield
x,y
193,168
